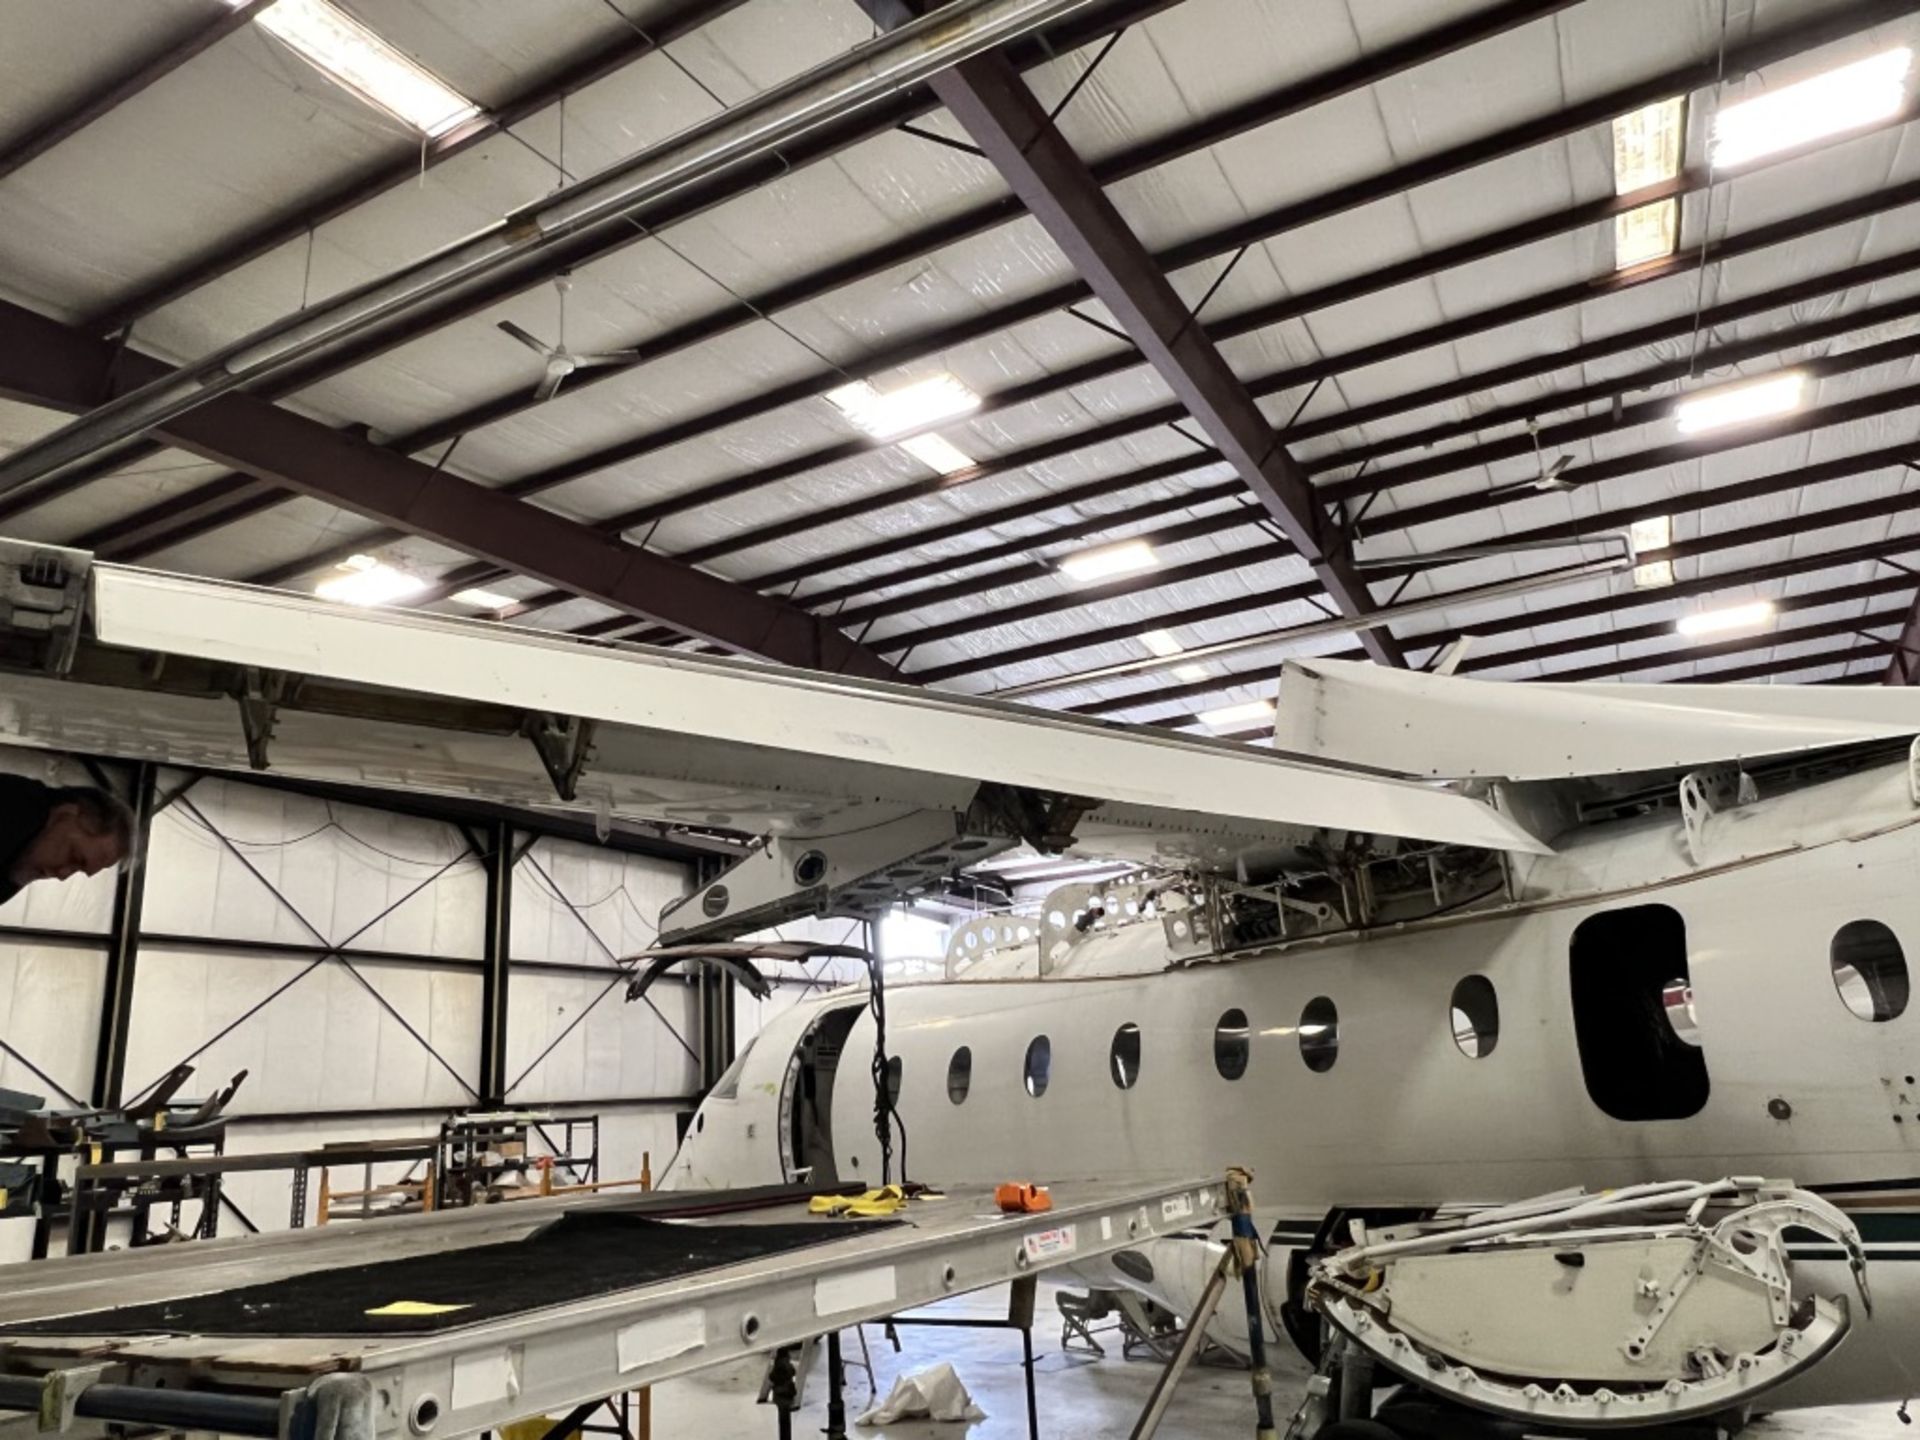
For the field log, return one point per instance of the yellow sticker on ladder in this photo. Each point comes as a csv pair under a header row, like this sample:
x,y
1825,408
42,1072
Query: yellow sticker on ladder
x,y
417,1307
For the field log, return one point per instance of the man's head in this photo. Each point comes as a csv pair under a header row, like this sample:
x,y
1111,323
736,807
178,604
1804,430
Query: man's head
x,y
87,831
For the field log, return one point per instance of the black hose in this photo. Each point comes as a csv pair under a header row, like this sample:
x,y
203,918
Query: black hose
x,y
252,1415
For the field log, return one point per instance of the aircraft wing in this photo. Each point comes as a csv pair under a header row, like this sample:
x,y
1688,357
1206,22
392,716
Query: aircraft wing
x,y
225,676
1341,711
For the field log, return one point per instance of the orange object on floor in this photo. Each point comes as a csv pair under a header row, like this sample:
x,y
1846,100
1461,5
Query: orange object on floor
x,y
1022,1197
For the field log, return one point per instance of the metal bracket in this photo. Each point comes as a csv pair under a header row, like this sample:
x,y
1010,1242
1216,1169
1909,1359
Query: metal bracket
x,y
43,593
259,699
1704,794
860,873
61,1392
1045,821
565,746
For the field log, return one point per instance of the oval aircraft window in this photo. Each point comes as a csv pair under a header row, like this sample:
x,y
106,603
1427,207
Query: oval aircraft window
x,y
1320,1034
1124,1057
1476,1017
1039,1064
1231,1045
960,1074
1869,970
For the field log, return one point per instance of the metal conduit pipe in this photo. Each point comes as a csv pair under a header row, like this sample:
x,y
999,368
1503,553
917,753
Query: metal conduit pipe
x,y
252,1415
889,63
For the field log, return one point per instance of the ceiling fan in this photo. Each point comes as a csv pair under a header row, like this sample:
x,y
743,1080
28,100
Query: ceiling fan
x,y
1550,476
562,362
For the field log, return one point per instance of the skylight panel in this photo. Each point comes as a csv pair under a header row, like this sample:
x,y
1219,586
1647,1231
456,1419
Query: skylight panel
x,y
1646,150
358,59
938,453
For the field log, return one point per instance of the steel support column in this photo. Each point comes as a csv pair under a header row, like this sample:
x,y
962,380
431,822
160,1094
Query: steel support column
x,y
989,99
44,362
497,958
123,947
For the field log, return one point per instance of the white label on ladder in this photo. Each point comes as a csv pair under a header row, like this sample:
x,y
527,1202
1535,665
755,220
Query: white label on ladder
x,y
1178,1207
661,1337
834,1293
1051,1244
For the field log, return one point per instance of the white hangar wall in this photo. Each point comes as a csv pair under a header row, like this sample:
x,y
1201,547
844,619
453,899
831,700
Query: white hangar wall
x,y
336,952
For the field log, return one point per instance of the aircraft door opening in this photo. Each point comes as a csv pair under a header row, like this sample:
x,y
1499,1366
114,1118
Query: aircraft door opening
x,y
806,1098
1633,1014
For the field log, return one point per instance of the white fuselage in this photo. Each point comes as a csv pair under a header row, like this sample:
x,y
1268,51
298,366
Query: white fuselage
x,y
1799,1087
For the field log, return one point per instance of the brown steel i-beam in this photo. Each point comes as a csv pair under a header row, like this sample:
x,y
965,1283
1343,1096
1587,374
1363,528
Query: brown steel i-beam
x,y
995,107
44,362
1492,21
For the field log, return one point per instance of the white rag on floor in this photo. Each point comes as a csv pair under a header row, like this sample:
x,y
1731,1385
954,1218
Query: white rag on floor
x,y
937,1394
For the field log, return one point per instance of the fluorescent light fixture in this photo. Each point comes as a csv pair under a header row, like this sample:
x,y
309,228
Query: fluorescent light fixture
x,y
1109,561
1646,150
884,415
1750,616
1737,404
938,454
484,599
357,59
1654,575
1840,100
1233,717
1191,674
363,580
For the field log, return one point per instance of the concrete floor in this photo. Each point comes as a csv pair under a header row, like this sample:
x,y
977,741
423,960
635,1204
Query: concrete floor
x,y
1080,1397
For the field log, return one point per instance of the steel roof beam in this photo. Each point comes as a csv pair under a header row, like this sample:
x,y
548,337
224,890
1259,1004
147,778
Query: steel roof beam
x,y
1792,526
1278,222
46,363
994,106
592,242
185,517
1821,30
213,25
1711,358
1249,322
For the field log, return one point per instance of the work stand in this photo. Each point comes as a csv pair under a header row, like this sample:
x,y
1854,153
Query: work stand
x,y
1240,1261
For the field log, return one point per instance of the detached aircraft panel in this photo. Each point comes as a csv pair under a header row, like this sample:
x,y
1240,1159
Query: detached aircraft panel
x,y
767,737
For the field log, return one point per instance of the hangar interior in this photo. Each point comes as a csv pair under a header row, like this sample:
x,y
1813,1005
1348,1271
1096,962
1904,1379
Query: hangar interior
x,y
1119,359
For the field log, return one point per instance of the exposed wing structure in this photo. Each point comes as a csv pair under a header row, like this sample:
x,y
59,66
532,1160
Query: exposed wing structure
x,y
853,780
1345,712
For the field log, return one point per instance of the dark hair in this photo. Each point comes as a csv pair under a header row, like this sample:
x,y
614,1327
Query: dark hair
x,y
100,811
